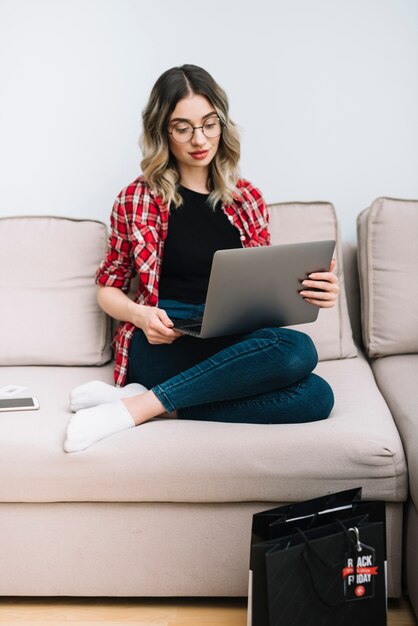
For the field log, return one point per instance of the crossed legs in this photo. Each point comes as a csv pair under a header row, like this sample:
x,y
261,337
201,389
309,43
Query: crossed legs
x,y
261,377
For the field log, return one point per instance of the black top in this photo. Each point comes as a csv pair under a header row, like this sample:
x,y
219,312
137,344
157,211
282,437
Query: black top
x,y
195,232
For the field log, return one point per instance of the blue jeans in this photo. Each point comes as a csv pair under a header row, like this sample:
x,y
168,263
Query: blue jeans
x,y
262,377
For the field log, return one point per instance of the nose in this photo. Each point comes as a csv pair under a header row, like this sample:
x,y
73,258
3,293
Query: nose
x,y
198,138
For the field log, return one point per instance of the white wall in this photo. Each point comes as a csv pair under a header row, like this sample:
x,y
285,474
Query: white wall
x,y
325,93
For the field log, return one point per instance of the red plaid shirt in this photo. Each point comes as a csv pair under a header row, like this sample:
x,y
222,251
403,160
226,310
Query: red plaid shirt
x,y
139,222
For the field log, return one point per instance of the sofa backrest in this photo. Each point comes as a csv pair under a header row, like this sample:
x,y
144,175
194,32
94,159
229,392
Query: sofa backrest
x,y
49,314
388,262
293,222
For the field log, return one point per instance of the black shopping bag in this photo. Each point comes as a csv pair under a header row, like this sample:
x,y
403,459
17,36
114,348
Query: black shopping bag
x,y
319,562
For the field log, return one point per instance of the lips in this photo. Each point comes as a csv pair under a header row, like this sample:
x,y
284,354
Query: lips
x,y
199,155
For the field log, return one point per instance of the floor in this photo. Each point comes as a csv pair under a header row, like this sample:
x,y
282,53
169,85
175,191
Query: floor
x,y
147,612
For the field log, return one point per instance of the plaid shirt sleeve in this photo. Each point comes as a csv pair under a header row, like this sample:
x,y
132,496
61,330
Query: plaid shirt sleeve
x,y
256,214
138,226
117,268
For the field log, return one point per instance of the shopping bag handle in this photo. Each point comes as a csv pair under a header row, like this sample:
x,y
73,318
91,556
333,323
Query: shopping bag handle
x,y
309,548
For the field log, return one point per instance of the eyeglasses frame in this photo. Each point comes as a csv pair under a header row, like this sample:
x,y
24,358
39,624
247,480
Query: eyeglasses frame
x,y
197,128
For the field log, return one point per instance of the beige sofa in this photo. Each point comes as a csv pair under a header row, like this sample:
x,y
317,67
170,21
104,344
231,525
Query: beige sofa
x,y
164,509
388,259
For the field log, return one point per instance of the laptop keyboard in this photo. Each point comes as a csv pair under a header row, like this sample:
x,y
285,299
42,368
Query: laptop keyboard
x,y
192,326
193,329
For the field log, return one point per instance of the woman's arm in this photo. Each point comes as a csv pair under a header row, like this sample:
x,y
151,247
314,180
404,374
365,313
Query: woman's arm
x,y
154,322
327,282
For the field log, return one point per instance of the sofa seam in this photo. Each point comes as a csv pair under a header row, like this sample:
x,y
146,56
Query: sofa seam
x,y
370,308
55,217
341,273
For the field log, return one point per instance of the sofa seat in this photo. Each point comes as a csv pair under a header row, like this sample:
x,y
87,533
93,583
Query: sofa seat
x,y
192,461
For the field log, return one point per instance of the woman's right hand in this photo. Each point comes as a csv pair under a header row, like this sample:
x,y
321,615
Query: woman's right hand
x,y
155,323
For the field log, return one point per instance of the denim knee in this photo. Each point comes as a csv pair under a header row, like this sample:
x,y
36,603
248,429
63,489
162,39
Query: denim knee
x,y
321,398
300,347
305,348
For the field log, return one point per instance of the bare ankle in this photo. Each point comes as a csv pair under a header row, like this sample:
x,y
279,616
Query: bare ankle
x,y
143,407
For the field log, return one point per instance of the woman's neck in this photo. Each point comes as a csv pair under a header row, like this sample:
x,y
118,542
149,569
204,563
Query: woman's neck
x,y
195,180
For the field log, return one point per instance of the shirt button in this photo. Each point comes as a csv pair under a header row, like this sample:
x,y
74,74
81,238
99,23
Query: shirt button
x,y
242,237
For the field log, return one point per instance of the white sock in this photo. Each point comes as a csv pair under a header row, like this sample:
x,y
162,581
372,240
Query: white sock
x,y
96,392
90,425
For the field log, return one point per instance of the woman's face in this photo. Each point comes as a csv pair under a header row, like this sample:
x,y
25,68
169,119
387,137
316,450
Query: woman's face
x,y
199,150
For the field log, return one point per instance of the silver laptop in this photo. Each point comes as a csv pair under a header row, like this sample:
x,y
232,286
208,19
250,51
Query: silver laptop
x,y
252,288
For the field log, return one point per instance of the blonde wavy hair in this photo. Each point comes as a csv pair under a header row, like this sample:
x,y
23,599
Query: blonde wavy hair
x,y
158,165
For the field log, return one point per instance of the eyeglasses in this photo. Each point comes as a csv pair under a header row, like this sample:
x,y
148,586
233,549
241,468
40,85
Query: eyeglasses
x,y
183,131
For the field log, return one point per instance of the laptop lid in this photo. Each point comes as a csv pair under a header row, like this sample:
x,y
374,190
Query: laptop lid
x,y
252,288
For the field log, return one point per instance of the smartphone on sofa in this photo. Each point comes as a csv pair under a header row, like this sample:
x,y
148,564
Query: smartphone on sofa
x,y
18,404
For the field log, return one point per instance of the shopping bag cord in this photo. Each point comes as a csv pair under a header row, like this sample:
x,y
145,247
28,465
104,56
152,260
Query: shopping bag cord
x,y
311,549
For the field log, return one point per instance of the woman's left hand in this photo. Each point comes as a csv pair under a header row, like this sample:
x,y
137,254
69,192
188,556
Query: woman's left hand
x,y
327,283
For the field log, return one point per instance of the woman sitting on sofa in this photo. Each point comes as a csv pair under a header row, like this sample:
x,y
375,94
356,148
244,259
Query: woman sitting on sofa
x,y
165,227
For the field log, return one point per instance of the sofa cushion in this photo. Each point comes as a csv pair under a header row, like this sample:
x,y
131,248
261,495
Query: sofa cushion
x,y
168,460
49,313
295,222
388,261
397,378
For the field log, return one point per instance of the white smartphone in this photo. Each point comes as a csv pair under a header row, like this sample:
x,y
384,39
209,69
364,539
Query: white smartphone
x,y
18,404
